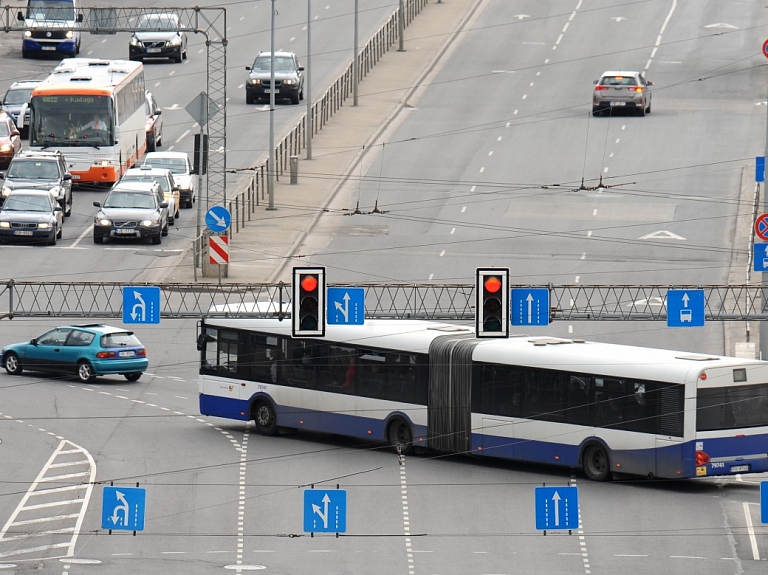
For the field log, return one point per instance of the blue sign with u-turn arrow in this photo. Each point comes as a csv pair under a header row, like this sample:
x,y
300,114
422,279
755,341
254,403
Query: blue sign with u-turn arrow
x,y
325,511
141,305
218,219
123,508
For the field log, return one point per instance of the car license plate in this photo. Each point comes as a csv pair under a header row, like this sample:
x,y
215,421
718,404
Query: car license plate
x,y
49,48
22,233
618,103
269,91
127,354
125,231
153,50
739,468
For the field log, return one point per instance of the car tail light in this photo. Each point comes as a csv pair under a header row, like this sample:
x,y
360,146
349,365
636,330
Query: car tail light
x,y
701,458
600,88
106,354
142,352
637,89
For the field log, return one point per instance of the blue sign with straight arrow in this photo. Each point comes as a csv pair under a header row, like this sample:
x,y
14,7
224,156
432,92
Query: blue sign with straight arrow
x,y
346,306
557,508
530,306
325,510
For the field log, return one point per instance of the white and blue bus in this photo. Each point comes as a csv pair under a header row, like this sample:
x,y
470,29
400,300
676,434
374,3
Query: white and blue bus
x,y
598,407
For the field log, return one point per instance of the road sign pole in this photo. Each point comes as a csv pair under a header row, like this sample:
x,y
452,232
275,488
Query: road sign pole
x,y
763,331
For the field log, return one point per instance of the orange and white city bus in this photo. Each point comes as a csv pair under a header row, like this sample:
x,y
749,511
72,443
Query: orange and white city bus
x,y
92,110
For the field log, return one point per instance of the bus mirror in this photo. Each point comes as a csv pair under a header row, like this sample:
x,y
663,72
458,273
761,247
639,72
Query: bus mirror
x,y
80,18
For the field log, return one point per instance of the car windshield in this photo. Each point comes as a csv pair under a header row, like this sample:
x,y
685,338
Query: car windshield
x,y
120,339
17,97
143,178
4,131
282,64
33,170
618,81
176,166
155,22
130,200
24,203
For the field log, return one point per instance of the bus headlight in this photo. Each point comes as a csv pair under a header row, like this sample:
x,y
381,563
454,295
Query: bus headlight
x,y
70,34
28,34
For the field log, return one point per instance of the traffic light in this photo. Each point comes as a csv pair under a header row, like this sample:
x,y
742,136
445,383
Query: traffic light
x,y
308,311
492,306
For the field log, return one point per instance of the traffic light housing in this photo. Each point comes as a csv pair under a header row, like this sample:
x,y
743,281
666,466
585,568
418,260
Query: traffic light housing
x,y
308,302
492,305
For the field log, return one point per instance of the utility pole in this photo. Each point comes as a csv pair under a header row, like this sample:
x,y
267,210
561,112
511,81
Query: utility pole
x,y
271,171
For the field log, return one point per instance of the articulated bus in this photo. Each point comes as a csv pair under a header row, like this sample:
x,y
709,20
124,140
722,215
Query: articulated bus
x,y
93,111
601,408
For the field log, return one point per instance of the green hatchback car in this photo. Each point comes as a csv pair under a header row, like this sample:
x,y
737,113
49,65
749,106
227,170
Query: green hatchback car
x,y
82,350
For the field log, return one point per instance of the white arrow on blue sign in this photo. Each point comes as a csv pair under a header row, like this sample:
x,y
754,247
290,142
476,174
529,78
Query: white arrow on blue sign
x,y
218,219
346,306
530,306
685,308
557,508
141,304
325,511
123,508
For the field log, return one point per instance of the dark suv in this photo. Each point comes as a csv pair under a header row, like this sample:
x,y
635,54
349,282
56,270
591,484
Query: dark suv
x,y
17,99
289,78
131,210
40,171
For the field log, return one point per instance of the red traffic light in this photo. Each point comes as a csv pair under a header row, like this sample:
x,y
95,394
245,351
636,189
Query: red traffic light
x,y
492,284
309,283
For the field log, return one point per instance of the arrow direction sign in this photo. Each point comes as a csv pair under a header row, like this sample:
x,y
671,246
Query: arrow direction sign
x,y
685,308
123,508
141,304
530,306
218,219
764,501
325,511
557,508
346,306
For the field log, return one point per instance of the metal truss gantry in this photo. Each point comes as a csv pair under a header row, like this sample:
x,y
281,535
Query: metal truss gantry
x,y
453,302
211,23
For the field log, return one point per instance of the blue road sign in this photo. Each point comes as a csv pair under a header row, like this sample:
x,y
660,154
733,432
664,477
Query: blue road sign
x,y
346,306
557,508
685,308
141,305
530,306
760,169
123,508
218,219
764,501
760,257
325,511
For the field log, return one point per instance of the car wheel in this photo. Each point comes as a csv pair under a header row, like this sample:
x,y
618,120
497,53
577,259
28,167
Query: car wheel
x,y
133,376
648,109
184,54
295,99
249,99
156,240
265,418
60,233
52,241
170,221
641,111
164,231
68,208
150,144
176,215
85,371
12,364
25,54
178,58
98,239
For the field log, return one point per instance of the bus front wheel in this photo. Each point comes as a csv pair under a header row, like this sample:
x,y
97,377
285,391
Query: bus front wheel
x,y
400,437
264,416
596,463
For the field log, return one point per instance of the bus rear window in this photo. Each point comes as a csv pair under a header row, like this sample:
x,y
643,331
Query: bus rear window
x,y
732,407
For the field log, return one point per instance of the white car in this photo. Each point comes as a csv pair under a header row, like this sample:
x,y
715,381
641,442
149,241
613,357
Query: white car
x,y
183,174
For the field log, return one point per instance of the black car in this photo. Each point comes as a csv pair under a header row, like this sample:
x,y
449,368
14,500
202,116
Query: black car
x,y
158,36
289,78
41,171
31,216
17,99
131,213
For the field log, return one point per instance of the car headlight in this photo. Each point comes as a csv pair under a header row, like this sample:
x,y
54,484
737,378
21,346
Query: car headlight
x,y
5,224
43,225
28,34
5,148
70,34
6,192
289,82
149,223
56,191
254,81
135,41
103,222
176,41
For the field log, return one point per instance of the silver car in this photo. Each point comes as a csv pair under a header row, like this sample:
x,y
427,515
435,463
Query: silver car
x,y
622,90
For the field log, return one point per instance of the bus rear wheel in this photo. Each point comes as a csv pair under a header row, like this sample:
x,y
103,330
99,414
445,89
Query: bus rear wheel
x,y
265,418
596,463
400,437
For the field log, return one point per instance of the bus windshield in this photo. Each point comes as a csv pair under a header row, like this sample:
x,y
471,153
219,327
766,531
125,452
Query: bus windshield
x,y
732,407
71,120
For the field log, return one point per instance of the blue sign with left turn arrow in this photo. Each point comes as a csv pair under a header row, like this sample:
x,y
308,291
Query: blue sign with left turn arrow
x,y
123,508
141,304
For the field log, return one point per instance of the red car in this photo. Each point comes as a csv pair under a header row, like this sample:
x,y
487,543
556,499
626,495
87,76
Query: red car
x,y
10,140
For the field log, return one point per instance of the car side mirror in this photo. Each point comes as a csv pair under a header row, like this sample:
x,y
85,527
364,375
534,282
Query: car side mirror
x,y
248,68
649,83
97,204
158,112
57,209
20,16
2,175
67,177
193,172
15,133
32,341
300,68
164,205
80,18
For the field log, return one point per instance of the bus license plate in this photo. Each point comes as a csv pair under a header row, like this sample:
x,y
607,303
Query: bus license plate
x,y
75,176
127,354
126,232
22,233
739,468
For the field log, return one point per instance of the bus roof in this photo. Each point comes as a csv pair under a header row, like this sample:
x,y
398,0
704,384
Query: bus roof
x,y
92,76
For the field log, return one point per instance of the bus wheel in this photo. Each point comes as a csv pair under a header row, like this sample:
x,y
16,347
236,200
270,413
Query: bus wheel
x,y
264,416
595,462
400,436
